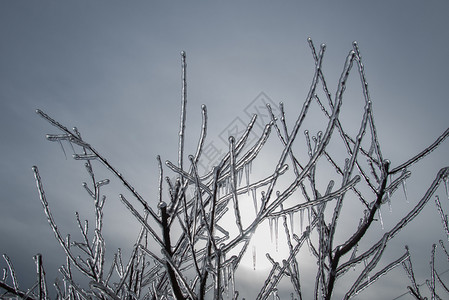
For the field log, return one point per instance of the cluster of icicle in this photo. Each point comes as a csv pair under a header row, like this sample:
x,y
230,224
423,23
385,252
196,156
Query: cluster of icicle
x,y
201,261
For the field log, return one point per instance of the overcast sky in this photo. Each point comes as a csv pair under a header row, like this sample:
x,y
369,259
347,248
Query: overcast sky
x,y
112,68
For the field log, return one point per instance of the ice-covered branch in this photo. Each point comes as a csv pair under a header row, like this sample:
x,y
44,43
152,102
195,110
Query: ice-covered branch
x,y
423,153
185,250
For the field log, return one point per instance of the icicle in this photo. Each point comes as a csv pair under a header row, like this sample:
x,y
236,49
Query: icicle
x,y
240,176
247,171
253,192
225,186
292,222
220,188
276,232
254,257
390,209
308,216
405,191
62,147
301,220
270,223
380,218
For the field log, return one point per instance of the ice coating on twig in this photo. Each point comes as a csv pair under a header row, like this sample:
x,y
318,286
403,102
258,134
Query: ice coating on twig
x,y
444,217
446,185
200,256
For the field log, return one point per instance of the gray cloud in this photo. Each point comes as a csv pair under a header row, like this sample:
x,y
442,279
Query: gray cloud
x,y
113,70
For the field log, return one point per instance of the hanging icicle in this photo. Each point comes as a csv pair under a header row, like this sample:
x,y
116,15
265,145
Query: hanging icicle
x,y
254,257
292,222
276,233
253,192
301,220
380,218
404,188
270,224
240,176
247,171
221,186
309,217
